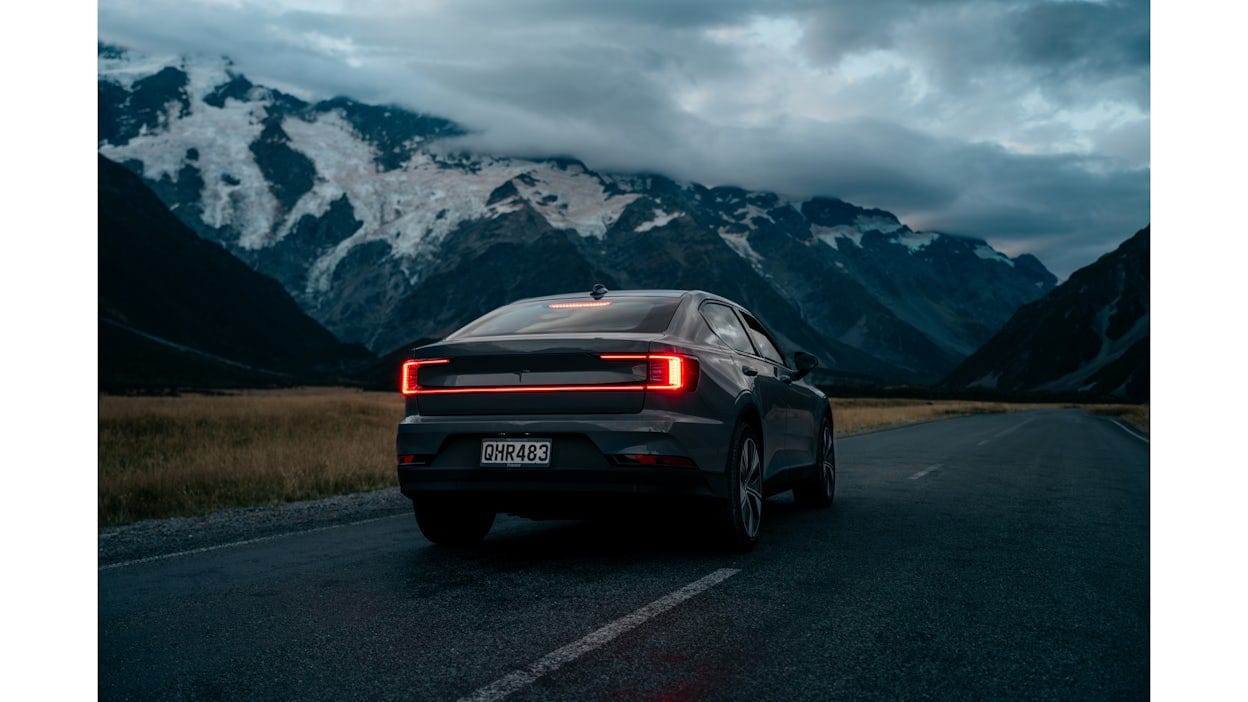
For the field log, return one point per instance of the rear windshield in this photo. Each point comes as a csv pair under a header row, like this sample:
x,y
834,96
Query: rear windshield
x,y
644,315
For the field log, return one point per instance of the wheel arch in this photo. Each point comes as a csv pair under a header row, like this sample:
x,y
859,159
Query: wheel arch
x,y
827,413
747,411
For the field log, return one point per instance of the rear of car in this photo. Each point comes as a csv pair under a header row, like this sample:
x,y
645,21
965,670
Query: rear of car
x,y
560,406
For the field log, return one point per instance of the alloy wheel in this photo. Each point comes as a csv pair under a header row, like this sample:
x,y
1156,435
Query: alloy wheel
x,y
829,462
750,470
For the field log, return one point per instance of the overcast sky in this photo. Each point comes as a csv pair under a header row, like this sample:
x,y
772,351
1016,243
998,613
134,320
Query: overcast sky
x,y
1024,122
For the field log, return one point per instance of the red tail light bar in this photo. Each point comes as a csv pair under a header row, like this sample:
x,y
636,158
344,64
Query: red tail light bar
x,y
409,383
666,372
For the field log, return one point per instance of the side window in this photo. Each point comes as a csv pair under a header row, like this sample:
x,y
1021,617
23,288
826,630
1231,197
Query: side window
x,y
766,345
703,334
725,323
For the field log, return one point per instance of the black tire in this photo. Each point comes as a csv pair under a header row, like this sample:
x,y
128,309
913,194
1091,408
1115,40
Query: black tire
x,y
741,513
451,521
819,490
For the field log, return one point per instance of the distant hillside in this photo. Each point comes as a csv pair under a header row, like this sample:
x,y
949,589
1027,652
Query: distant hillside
x,y
177,310
383,372
1089,335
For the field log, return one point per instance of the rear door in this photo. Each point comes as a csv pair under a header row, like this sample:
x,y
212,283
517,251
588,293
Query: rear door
x,y
790,451
725,322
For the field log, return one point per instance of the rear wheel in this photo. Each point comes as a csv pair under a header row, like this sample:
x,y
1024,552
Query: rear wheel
x,y
741,514
452,521
819,490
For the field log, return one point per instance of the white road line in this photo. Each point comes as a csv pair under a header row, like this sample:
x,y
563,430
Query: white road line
x,y
232,544
1123,427
1014,428
924,472
552,661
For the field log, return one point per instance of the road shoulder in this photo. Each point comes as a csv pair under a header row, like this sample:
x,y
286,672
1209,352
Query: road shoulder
x,y
157,537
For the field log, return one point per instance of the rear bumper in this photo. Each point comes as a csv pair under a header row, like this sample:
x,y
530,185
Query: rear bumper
x,y
580,473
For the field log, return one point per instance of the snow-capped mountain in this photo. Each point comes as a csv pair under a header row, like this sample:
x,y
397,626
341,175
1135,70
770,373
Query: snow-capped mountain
x,y
1089,335
384,231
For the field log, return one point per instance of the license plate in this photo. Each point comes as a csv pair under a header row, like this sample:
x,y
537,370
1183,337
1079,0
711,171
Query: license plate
x,y
516,453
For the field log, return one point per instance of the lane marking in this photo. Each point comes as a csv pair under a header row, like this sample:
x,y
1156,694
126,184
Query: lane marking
x,y
1123,427
924,472
259,539
1014,428
552,661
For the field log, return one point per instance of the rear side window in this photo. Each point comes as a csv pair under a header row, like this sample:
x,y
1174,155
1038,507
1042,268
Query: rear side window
x,y
704,335
725,323
763,341
643,315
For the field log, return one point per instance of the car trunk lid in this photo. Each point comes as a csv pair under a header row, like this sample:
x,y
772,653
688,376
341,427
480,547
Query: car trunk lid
x,y
532,374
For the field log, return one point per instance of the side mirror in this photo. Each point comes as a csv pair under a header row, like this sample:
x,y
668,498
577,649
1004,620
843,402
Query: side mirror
x,y
805,363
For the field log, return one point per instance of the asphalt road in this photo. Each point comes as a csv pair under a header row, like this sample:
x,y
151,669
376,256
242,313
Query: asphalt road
x,y
1016,567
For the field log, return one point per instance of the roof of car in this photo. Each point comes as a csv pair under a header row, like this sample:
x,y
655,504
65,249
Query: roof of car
x,y
631,293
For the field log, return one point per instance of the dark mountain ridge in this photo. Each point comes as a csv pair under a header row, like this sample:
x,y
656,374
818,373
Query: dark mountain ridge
x,y
1089,335
178,310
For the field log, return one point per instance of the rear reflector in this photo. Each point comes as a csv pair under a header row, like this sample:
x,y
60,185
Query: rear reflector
x,y
409,381
653,459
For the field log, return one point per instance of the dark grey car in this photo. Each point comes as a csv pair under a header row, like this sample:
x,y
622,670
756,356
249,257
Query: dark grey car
x,y
569,405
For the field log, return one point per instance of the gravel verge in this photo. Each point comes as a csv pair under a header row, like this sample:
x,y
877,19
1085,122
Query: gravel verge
x,y
157,537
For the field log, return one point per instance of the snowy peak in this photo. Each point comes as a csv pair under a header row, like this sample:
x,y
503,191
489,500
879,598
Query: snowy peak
x,y
831,212
264,160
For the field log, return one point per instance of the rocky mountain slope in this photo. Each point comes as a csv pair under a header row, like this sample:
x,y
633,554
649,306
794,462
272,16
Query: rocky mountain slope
x,y
1089,335
177,310
384,231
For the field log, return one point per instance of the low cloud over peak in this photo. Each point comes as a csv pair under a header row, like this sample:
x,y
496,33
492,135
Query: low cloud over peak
x,y
1025,123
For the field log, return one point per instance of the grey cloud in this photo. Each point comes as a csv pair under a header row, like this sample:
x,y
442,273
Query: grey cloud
x,y
1024,122
1108,38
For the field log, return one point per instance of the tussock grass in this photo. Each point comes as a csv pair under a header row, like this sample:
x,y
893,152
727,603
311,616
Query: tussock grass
x,y
194,454
855,415
1135,415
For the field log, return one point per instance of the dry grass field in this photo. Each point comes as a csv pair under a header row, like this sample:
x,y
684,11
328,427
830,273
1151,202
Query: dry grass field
x,y
193,454
1135,415
188,455
858,414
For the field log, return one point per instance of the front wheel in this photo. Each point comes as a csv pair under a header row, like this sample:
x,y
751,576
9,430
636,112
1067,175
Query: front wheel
x,y
820,488
448,521
741,514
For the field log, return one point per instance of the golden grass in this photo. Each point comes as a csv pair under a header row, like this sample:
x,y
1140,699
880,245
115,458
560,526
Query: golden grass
x,y
854,415
1135,415
193,454
189,455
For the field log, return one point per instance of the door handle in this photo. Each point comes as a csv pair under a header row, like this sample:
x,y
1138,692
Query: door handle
x,y
749,371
